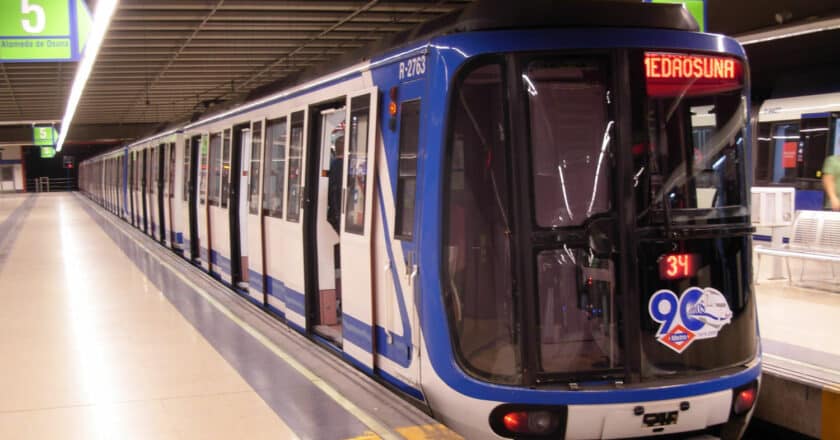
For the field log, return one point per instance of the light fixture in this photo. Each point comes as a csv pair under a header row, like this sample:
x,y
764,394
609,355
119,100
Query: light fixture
x,y
101,21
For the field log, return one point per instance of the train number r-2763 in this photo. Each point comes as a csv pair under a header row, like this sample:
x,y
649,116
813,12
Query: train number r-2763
x,y
412,68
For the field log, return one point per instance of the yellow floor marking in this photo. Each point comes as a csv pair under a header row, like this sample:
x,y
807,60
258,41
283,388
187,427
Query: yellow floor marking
x,y
349,406
429,432
420,432
830,415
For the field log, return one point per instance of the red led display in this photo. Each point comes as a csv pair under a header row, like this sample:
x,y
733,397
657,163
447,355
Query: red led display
x,y
676,266
670,74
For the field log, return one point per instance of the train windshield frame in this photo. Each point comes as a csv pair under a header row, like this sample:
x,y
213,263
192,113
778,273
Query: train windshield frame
x,y
550,191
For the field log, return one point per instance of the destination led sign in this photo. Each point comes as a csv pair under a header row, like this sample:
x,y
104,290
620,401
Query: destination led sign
x,y
673,74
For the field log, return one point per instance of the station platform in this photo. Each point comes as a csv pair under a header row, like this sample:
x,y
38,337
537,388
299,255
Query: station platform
x,y
799,321
107,335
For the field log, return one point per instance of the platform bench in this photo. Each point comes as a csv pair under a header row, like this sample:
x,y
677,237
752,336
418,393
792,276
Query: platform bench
x,y
815,236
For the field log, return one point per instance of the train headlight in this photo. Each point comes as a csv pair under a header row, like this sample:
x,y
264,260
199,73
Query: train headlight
x,y
526,420
744,398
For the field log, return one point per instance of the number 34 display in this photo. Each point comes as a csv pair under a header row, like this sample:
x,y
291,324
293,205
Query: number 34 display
x,y
699,313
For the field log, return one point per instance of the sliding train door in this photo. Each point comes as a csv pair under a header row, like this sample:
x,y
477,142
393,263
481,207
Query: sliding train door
x,y
161,191
218,198
171,208
144,183
357,213
202,222
151,192
282,206
189,198
252,240
324,158
240,157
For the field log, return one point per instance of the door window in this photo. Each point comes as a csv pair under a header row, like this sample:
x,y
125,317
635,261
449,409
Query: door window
x,y
295,166
214,183
357,161
275,169
225,168
254,177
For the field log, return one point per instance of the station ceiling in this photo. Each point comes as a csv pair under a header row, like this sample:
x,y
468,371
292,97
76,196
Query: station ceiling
x,y
165,60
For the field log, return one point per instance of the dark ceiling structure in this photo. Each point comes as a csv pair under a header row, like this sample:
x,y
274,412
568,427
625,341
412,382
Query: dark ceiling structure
x,y
165,60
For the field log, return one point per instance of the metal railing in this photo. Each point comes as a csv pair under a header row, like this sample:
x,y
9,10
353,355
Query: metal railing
x,y
50,184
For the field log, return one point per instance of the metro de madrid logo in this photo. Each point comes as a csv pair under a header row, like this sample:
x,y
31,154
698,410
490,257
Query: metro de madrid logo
x,y
696,314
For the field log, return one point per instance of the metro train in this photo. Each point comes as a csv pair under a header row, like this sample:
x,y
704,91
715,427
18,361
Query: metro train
x,y
795,135
505,215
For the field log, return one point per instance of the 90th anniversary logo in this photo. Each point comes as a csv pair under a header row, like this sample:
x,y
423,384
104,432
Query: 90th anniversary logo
x,y
696,314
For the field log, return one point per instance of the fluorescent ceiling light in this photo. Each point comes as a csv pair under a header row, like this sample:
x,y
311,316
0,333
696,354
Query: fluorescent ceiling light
x,y
101,20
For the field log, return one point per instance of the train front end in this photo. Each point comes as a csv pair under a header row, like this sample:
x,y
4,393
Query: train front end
x,y
593,252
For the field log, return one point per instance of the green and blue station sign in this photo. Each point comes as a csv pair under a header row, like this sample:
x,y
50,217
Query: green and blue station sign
x,y
43,30
44,136
697,8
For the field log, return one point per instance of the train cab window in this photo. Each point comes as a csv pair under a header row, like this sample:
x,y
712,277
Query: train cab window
x,y
275,167
295,166
225,168
357,159
407,169
186,176
254,178
477,277
214,186
570,140
202,170
688,147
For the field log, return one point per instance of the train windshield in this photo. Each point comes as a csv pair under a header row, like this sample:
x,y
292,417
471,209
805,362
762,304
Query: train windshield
x,y
689,129
534,193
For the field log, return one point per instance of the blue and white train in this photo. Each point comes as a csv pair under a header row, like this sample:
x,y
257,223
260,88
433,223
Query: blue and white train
x,y
505,215
795,135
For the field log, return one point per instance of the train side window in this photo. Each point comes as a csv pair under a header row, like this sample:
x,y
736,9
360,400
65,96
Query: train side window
x,y
357,162
785,148
407,170
815,146
295,166
186,189
275,167
225,182
254,178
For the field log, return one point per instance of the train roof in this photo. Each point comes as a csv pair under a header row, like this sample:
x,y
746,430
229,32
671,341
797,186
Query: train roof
x,y
792,109
487,15
483,15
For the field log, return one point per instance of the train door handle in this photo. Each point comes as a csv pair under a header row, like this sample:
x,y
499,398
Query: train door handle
x,y
412,278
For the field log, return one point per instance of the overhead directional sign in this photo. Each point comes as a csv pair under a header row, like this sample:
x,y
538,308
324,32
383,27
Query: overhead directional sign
x,y
44,136
47,152
43,30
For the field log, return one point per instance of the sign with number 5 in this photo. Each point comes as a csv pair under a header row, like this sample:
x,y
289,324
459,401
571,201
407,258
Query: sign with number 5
x,y
43,30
